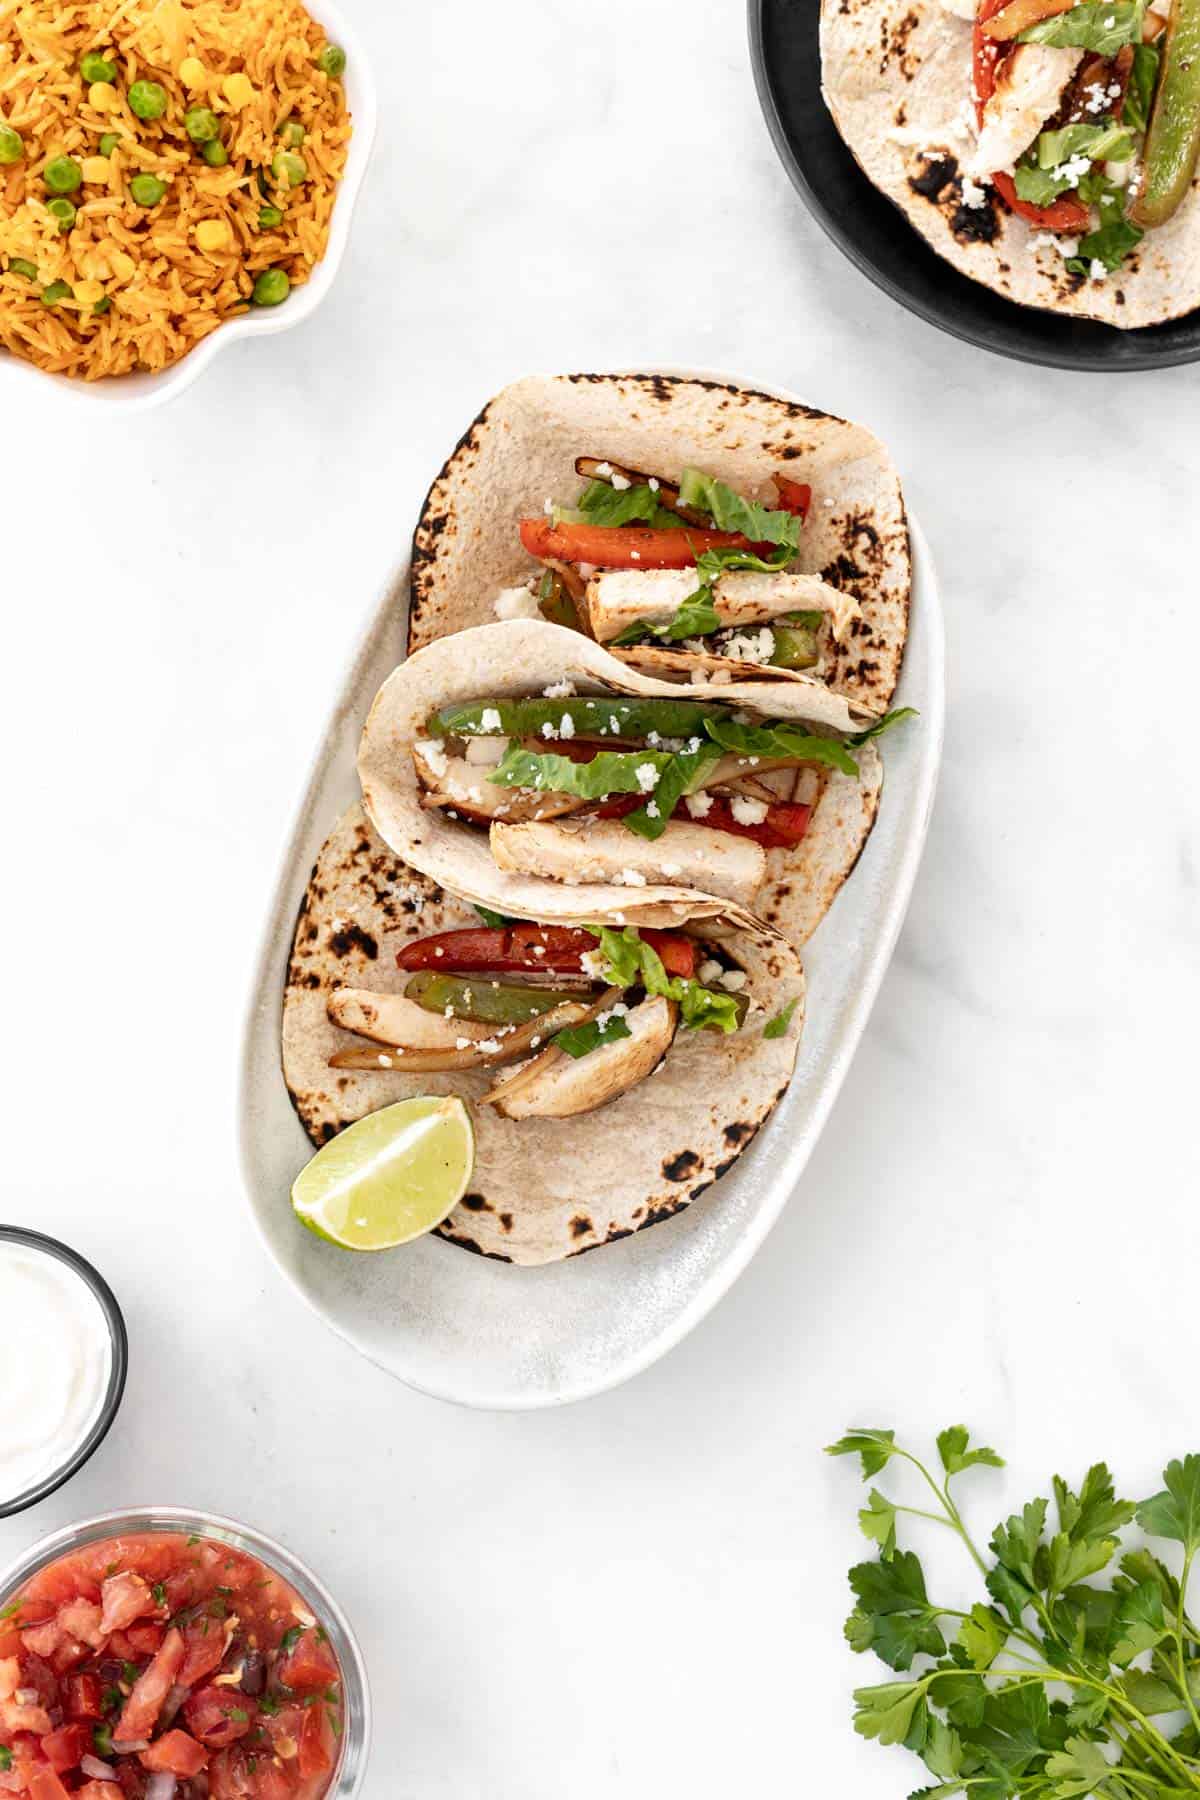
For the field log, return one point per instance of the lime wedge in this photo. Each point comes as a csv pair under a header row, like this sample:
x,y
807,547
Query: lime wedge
x,y
390,1178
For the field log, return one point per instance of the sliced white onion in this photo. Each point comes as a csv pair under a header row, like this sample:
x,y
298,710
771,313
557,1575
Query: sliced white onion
x,y
130,1746
27,1697
162,1786
99,1771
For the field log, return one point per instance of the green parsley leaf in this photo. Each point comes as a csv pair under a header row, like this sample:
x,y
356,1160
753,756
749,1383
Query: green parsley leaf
x,y
1143,79
581,1040
1017,1728
1150,1694
872,1444
777,1026
6,1759
1081,1768
942,1753
129,1671
239,1715
1095,25
983,1634
953,1449
1140,1623
891,1595
268,1703
1175,1513
10,1611
886,1712
602,504
1015,1543
729,512
158,1594
877,1520
290,1638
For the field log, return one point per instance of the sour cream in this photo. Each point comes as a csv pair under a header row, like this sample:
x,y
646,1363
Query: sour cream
x,y
55,1373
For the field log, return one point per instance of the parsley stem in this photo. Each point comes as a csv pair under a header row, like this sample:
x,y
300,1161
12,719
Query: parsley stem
x,y
1181,1660
953,1516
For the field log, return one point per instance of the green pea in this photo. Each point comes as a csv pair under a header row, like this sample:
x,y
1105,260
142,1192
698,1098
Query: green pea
x,y
94,67
147,100
269,217
18,266
215,154
292,133
201,124
58,290
102,306
332,60
63,211
108,143
12,146
62,175
147,190
271,288
290,167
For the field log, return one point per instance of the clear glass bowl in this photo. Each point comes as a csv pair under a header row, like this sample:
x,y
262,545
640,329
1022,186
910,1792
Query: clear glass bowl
x,y
356,1729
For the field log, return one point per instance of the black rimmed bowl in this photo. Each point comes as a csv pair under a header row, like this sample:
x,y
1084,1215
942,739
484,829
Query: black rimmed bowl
x,y
118,1366
878,239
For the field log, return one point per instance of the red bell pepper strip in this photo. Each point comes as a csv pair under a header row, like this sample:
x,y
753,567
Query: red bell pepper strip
x,y
627,546
507,949
676,953
1068,213
782,828
794,496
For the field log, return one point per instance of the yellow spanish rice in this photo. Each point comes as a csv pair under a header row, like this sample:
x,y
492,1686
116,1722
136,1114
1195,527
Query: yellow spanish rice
x,y
165,292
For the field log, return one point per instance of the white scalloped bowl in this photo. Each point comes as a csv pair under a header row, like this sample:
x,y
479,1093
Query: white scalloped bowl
x,y
137,393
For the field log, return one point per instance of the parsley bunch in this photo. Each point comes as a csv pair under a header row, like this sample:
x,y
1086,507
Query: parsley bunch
x,y
1052,1689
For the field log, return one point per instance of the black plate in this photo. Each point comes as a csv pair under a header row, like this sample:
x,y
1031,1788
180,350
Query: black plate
x,y
35,1240
874,234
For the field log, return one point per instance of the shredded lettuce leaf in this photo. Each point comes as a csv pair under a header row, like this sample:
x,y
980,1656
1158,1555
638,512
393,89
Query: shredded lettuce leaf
x,y
780,740
695,618
887,723
579,1040
729,512
777,1026
631,963
1115,236
602,504
612,772
1109,142
1096,25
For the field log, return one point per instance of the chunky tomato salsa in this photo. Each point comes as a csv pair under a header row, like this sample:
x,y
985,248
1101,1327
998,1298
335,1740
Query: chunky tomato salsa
x,y
165,1667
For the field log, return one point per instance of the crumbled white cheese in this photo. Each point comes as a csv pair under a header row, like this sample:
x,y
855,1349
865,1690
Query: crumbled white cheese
x,y
604,468
566,726
548,730
516,603
751,646
710,971
1073,170
592,963
747,811
1097,271
652,484
973,194
559,690
699,805
1118,173
734,979
462,1043
620,482
668,869
647,777
433,753
489,720
631,878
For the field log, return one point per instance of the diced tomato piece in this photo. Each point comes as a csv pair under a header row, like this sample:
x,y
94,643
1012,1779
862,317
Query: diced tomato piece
x,y
125,1597
794,496
1068,213
272,1781
57,1585
144,1704
145,1640
205,1648
284,1728
14,1717
43,1784
507,948
176,1752
310,1663
10,1637
43,1640
627,546
81,1697
63,1748
783,826
82,1620
676,953
38,1674
10,1676
318,1744
183,1586
218,1717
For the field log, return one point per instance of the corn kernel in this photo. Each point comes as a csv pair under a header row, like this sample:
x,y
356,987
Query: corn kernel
x,y
88,293
193,73
103,96
97,169
212,235
238,90
123,267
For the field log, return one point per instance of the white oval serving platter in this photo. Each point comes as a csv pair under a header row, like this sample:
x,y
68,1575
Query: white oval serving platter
x,y
487,1334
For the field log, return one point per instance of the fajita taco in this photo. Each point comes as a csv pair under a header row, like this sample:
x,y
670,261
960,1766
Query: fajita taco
x,y
523,767
703,532
612,1074
1047,148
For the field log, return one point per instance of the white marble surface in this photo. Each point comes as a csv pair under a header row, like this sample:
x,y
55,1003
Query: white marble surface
x,y
642,1595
